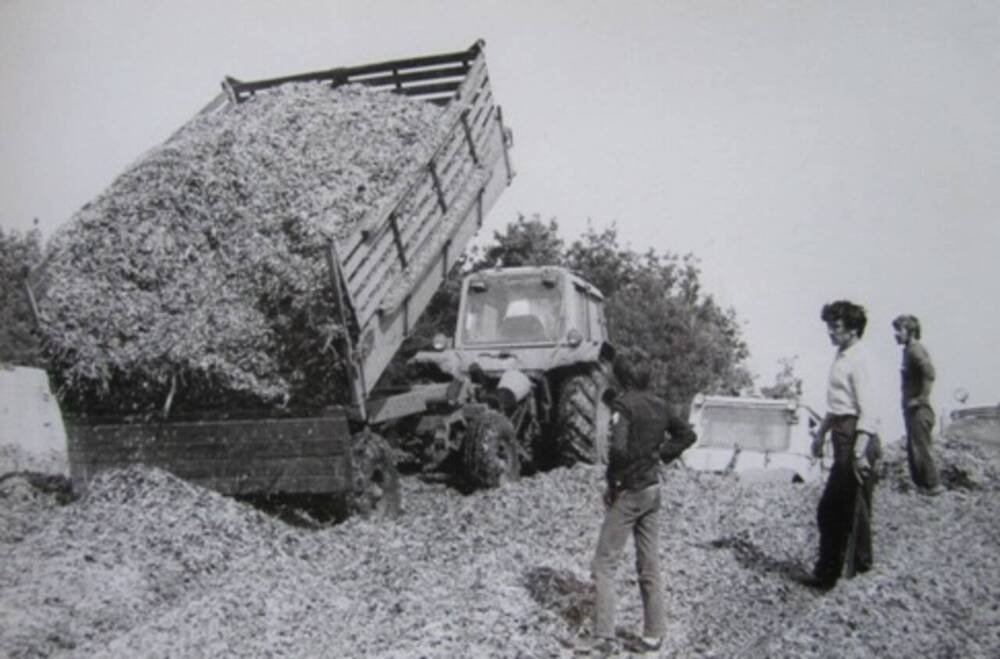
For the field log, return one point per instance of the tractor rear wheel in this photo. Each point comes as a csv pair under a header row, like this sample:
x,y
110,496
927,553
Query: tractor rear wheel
x,y
375,479
489,452
584,423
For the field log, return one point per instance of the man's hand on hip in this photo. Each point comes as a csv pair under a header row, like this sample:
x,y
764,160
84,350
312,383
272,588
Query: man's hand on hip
x,y
862,465
817,445
862,468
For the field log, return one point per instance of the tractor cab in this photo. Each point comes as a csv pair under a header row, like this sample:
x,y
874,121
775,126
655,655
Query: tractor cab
x,y
525,313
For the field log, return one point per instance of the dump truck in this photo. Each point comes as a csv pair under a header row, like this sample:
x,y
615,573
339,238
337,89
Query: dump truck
x,y
503,392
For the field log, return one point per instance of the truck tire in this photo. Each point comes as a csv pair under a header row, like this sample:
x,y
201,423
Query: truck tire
x,y
489,451
584,423
375,479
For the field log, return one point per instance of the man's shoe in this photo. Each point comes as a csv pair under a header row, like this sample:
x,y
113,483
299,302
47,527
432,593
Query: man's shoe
x,y
606,647
599,646
822,584
648,643
934,491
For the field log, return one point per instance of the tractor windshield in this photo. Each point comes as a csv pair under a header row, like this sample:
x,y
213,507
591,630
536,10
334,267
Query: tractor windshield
x,y
513,309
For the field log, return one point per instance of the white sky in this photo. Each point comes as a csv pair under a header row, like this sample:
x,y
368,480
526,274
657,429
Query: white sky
x,y
804,151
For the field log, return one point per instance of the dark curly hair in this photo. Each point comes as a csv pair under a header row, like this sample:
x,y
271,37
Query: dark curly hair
x,y
852,315
632,369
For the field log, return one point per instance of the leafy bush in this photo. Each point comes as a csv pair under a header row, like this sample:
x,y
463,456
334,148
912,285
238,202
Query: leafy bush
x,y
18,338
655,302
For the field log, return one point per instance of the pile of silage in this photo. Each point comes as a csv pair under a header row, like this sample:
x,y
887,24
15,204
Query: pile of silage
x,y
963,462
148,565
201,269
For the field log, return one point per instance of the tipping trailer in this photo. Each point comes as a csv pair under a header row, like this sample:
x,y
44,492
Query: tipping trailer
x,y
384,274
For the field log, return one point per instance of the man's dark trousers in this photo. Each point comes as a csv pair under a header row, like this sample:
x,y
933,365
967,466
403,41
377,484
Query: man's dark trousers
x,y
919,426
837,513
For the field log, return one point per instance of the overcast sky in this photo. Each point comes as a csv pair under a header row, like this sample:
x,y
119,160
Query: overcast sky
x,y
804,151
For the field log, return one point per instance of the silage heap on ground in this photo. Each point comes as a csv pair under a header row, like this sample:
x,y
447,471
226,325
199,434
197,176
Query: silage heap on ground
x,y
202,269
150,565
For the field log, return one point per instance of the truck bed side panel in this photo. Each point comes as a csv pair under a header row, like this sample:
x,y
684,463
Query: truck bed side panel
x,y
396,263
294,456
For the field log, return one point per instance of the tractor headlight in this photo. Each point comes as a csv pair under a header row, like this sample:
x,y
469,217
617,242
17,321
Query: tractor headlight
x,y
440,342
574,338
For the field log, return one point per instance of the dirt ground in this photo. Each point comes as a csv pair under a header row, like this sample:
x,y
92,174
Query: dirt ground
x,y
148,565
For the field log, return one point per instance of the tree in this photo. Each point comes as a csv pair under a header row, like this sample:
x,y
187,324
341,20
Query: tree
x,y
19,343
526,241
786,383
655,303
601,261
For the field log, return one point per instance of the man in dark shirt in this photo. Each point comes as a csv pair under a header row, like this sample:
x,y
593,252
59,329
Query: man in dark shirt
x,y
917,379
643,434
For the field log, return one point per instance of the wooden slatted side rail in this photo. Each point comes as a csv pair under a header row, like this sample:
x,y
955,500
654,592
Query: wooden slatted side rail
x,y
432,242
407,299
436,77
422,213
397,261
464,181
364,248
371,258
470,101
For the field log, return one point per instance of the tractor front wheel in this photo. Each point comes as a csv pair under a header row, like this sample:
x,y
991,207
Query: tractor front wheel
x,y
489,452
375,479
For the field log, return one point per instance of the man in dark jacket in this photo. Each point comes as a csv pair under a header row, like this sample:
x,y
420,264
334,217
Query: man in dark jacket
x,y
643,434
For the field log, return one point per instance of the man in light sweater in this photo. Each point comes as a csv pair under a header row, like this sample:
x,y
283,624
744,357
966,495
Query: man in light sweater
x,y
845,505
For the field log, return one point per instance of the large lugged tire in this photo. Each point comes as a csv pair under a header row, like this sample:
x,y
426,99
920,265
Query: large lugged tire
x,y
375,479
489,452
584,422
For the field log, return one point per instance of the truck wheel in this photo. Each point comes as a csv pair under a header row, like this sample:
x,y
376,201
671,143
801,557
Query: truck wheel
x,y
489,452
584,423
375,479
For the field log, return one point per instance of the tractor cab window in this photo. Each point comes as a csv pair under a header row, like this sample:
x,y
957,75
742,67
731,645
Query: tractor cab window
x,y
521,309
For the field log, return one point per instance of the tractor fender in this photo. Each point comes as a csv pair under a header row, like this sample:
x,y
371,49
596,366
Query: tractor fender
x,y
446,361
516,383
590,352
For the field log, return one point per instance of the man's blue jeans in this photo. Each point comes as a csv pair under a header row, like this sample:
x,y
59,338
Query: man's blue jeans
x,y
636,513
919,426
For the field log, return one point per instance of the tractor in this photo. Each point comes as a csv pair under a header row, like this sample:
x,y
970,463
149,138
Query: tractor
x,y
524,378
